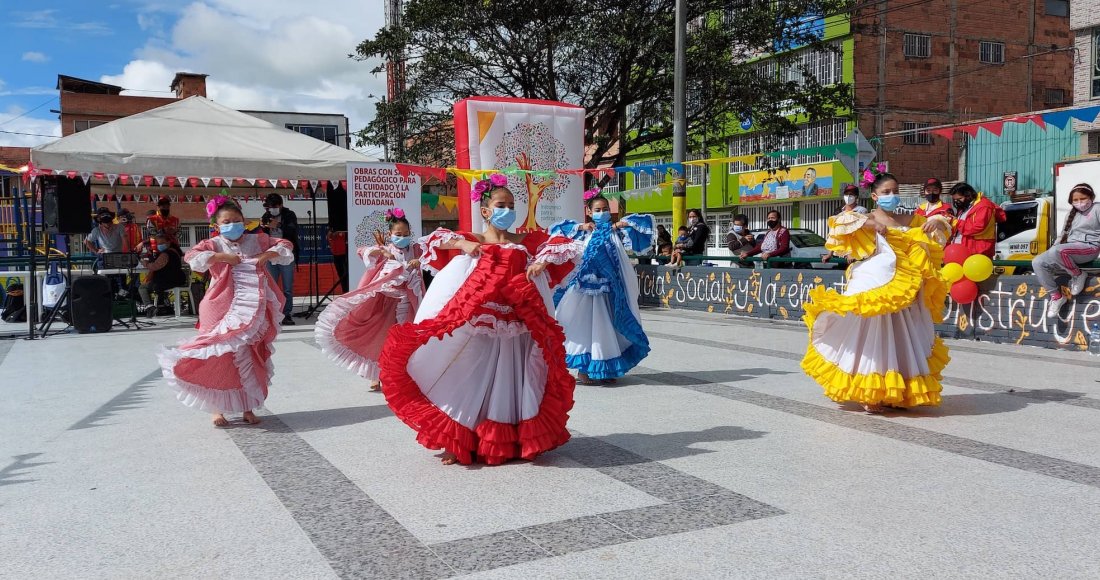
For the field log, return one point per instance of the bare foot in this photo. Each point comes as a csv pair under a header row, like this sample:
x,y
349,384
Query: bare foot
x,y
251,418
220,420
375,386
449,458
873,408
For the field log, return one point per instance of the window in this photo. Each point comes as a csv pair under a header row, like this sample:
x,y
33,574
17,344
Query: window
x,y
743,145
695,173
828,132
917,137
1095,64
1054,96
79,126
612,185
917,46
648,179
1057,7
992,52
826,66
326,133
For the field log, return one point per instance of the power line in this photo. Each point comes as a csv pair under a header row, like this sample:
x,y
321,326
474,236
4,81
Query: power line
x,y
28,134
25,113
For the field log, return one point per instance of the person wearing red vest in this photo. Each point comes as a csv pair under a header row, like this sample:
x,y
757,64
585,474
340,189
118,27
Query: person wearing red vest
x,y
932,205
976,225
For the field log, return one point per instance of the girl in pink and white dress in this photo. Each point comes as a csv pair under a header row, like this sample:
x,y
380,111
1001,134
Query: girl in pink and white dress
x,y
480,373
227,367
352,330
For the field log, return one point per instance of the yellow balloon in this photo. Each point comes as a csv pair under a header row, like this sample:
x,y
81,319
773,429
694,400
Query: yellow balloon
x,y
952,272
978,267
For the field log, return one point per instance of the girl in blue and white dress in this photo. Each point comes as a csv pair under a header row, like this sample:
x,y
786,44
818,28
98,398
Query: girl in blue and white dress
x,y
598,305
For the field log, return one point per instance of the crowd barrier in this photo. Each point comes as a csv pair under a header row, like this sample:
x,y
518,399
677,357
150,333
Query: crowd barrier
x,y
1009,309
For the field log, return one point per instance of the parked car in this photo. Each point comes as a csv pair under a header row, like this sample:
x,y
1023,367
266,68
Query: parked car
x,y
804,244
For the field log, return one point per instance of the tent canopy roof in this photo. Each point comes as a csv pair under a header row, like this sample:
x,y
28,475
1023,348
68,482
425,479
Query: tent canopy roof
x,y
196,137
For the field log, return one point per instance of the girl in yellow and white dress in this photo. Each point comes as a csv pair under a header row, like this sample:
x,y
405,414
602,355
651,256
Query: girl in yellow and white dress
x,y
875,343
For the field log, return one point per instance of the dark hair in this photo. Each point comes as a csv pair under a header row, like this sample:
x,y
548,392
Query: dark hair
x,y
883,178
489,194
273,199
1085,189
699,213
682,229
741,218
394,220
226,206
851,189
594,199
777,214
664,247
964,189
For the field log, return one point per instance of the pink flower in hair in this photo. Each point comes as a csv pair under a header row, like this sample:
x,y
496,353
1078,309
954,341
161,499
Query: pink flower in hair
x,y
213,205
589,194
398,212
498,180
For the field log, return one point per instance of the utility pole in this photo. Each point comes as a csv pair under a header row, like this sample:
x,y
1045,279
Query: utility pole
x,y
395,85
679,125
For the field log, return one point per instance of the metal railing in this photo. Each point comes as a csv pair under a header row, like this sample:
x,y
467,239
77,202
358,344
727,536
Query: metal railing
x,y
663,260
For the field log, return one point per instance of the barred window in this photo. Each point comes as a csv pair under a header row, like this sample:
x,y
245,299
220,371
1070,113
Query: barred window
x,y
1054,96
917,45
917,137
992,52
646,179
695,173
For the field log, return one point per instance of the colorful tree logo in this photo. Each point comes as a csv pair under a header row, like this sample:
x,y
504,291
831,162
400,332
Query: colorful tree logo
x,y
372,222
532,147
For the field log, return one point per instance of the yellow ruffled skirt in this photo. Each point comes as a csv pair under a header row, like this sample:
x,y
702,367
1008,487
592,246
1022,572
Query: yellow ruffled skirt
x,y
875,343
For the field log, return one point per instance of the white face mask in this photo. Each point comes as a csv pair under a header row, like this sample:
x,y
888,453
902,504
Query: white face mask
x,y
849,199
1082,206
692,221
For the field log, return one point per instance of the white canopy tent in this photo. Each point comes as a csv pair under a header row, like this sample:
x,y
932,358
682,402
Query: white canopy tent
x,y
196,137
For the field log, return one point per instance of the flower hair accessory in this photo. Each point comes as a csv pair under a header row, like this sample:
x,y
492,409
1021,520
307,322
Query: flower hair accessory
x,y
590,193
483,187
213,205
395,214
871,173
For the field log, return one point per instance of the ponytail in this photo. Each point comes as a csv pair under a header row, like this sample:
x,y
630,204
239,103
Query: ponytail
x,y
1068,225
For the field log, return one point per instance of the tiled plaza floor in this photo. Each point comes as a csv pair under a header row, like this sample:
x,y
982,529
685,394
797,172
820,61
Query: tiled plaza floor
x,y
717,458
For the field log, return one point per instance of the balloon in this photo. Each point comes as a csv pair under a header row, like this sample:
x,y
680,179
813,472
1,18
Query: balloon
x,y
955,254
964,291
952,272
978,267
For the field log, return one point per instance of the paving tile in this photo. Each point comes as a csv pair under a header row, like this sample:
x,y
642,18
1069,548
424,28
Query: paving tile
x,y
637,471
489,552
655,521
576,535
676,487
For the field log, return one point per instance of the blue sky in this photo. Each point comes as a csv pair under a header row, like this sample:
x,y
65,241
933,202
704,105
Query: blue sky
x,y
260,54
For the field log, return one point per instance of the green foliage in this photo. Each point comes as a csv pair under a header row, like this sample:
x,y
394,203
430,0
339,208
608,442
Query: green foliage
x,y
613,57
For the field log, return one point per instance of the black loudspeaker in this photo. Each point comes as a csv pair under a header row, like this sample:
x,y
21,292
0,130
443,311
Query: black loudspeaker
x,y
92,301
66,205
337,209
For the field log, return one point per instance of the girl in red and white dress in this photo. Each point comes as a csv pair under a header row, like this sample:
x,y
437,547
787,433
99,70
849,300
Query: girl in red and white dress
x,y
227,367
481,372
353,328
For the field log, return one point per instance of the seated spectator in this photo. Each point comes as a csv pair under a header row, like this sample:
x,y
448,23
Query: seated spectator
x,y
682,237
664,253
165,271
696,244
739,238
663,237
776,243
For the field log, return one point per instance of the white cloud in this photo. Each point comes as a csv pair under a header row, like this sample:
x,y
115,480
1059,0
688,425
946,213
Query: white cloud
x,y
18,131
33,56
263,54
53,20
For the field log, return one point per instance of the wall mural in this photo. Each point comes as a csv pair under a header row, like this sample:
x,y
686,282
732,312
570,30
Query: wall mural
x,y
1010,309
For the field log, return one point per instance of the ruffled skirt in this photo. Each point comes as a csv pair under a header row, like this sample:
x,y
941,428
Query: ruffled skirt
x,y
481,372
875,344
593,345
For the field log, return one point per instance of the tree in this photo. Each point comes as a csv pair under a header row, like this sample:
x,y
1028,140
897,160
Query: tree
x,y
613,57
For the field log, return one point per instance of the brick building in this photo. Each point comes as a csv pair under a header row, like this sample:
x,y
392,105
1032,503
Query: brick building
x,y
1085,24
950,61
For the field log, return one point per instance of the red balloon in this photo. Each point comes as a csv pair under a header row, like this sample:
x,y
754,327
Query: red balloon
x,y
964,291
955,254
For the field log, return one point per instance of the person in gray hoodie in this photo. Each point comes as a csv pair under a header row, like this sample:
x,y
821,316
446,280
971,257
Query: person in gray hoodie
x,y
1079,244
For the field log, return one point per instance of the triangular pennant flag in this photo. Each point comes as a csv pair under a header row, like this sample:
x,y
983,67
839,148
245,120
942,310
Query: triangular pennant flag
x,y
251,181
112,178
971,130
274,183
948,133
58,171
995,127
205,181
1087,114
1058,118
1038,120
159,179
181,181
86,176
313,183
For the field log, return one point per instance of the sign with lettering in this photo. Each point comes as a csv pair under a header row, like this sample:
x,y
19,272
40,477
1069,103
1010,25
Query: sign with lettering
x,y
374,188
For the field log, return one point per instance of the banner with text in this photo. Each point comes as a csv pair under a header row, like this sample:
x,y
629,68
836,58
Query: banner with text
x,y
372,189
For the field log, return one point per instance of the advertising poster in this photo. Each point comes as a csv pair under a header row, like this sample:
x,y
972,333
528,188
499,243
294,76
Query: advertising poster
x,y
535,136
374,188
798,182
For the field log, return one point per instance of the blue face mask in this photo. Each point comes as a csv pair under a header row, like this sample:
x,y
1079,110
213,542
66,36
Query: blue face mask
x,y
888,202
232,231
601,217
162,247
503,218
401,241
738,229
